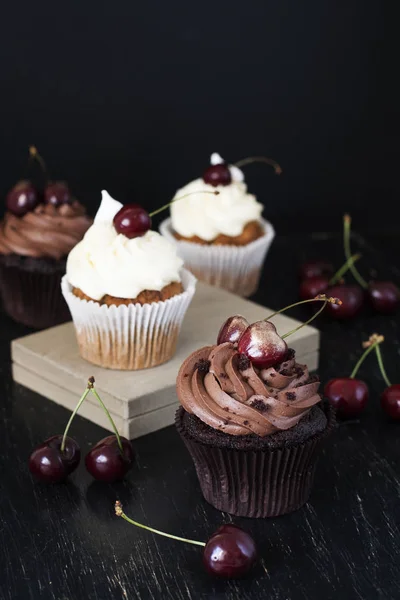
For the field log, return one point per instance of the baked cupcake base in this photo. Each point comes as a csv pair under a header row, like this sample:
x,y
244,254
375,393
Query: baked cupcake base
x,y
251,476
31,290
251,232
145,297
236,268
129,336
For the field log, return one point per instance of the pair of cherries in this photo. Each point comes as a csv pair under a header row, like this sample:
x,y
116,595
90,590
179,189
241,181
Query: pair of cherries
x,y
349,395
24,197
230,552
58,456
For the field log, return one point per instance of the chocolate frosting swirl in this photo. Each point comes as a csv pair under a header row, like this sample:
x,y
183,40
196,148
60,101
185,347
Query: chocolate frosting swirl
x,y
45,232
223,389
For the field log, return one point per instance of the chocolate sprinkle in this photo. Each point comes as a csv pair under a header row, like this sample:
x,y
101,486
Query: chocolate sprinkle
x,y
243,362
290,395
203,365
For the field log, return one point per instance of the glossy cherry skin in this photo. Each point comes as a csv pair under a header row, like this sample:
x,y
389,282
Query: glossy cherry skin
x,y
262,345
48,464
384,296
348,396
230,552
390,401
217,175
132,220
309,288
22,198
352,297
57,193
105,461
232,329
315,268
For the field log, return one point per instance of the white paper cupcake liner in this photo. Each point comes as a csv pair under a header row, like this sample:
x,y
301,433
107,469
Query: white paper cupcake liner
x,y
234,268
129,337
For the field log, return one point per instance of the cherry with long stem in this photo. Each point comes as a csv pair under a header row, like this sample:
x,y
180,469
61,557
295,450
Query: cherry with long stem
x,y
158,210
390,397
230,552
318,284
347,394
34,155
383,295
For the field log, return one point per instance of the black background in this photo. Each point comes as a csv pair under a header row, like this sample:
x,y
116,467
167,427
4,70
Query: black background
x,y
133,97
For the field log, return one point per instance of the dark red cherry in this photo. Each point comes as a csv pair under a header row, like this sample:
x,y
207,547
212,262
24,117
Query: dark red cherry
x,y
390,401
309,288
262,345
105,462
22,198
349,396
217,175
315,268
230,552
132,221
352,297
57,193
49,465
232,329
384,296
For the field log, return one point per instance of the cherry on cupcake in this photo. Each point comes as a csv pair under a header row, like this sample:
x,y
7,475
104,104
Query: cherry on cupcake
x,y
133,221
348,395
217,175
384,296
22,198
229,553
57,193
232,329
260,342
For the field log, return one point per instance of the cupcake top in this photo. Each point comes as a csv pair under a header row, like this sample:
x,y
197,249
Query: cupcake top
x,y
207,216
230,394
106,262
45,232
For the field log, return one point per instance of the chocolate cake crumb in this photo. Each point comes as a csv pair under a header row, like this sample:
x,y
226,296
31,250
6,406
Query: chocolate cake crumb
x,y
203,365
290,354
245,422
259,405
226,409
285,373
313,379
299,371
223,376
273,375
186,375
243,362
290,395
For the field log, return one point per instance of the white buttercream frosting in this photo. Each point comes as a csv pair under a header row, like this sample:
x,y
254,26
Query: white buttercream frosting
x,y
207,215
106,262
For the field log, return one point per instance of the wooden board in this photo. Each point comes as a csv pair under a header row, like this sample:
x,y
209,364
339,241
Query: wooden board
x,y
48,362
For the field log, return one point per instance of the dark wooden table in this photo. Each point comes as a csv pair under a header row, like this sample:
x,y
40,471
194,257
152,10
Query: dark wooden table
x,y
64,542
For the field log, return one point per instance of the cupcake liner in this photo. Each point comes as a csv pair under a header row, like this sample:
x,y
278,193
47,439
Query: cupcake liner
x,y
31,292
234,268
260,483
129,337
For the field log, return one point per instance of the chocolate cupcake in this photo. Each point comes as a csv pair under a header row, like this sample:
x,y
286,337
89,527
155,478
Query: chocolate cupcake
x,y
34,244
127,294
253,433
223,240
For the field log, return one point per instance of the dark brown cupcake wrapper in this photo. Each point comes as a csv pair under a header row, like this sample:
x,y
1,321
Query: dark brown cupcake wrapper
x,y
33,296
261,483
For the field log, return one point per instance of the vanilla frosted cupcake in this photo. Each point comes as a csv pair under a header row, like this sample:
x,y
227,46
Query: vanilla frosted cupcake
x,y
222,239
127,294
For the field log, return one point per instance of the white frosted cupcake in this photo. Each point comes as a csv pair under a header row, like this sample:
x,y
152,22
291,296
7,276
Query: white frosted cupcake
x,y
222,239
127,295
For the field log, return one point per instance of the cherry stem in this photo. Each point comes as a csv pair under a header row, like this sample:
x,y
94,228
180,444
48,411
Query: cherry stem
x,y
381,365
363,357
34,154
347,251
252,159
320,298
104,407
155,212
120,513
77,407
344,268
309,320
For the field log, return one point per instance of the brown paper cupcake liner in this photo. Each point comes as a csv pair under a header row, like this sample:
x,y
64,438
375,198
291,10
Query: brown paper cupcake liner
x,y
260,483
31,291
